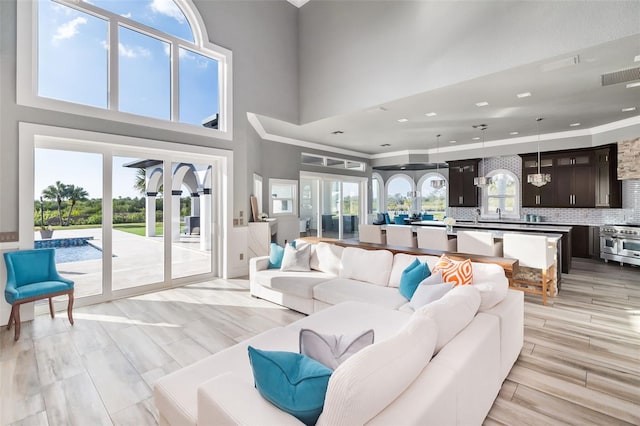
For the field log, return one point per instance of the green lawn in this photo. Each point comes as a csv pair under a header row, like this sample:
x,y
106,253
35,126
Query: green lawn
x,y
133,228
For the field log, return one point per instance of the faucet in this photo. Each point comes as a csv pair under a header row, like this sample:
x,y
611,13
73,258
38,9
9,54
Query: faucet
x,y
476,216
499,213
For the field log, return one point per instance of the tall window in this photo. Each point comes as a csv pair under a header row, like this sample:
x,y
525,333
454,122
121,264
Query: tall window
x,y
503,193
146,58
434,199
398,188
376,193
284,197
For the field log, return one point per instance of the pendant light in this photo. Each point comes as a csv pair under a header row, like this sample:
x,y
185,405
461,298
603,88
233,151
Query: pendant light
x,y
481,180
437,183
539,179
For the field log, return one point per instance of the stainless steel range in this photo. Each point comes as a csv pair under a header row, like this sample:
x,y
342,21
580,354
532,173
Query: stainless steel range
x,y
620,243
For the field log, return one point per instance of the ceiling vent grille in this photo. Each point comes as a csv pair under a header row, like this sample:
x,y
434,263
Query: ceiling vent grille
x,y
622,76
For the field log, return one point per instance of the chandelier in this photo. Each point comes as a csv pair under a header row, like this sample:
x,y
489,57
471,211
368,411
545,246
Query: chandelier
x,y
482,180
539,179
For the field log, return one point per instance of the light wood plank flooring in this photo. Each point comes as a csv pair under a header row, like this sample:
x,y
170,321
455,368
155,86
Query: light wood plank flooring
x,y
580,363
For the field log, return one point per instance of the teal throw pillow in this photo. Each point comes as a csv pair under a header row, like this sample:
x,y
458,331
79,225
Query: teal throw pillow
x,y
387,219
291,381
411,278
276,253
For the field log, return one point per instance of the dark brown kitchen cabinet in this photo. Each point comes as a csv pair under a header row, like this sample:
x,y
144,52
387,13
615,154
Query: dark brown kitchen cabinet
x,y
575,183
462,191
533,196
608,187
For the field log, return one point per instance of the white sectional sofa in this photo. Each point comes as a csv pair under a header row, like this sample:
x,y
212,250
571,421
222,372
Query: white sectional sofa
x,y
471,338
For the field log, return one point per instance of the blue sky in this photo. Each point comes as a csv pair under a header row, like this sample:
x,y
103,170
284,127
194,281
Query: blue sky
x,y
73,62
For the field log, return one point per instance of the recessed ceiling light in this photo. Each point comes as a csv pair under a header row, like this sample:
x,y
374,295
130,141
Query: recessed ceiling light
x,y
476,138
453,141
574,124
337,132
636,59
513,133
524,95
483,103
377,109
431,114
636,84
628,109
403,120
386,144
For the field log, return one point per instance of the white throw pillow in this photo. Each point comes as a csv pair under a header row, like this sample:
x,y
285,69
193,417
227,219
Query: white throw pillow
x,y
430,289
295,259
332,350
326,258
370,380
490,279
453,312
371,266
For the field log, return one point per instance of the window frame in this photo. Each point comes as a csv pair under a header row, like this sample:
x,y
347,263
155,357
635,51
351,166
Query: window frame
x,y
421,183
403,176
293,199
27,69
381,197
516,197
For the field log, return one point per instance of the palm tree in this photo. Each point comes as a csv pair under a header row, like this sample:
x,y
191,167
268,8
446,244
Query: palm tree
x,y
57,193
75,194
141,181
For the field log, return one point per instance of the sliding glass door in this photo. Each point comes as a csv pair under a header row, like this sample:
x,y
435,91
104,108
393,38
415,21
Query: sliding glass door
x,y
333,203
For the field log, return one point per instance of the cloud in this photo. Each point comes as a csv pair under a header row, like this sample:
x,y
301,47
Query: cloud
x,y
69,29
132,52
168,8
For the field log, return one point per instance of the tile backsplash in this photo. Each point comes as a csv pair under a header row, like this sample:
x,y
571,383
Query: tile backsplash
x,y
630,213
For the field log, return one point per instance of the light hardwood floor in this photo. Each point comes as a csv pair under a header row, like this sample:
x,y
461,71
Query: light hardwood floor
x,y
580,363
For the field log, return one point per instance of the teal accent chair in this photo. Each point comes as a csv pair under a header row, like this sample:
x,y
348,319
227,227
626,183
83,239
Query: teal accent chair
x,y
31,276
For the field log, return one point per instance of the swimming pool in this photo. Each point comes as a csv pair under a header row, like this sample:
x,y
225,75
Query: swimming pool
x,y
71,249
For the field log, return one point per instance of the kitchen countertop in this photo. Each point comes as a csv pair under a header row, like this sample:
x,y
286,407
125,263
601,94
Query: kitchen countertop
x,y
516,226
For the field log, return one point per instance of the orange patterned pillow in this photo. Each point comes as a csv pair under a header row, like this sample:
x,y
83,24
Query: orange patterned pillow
x,y
458,273
442,264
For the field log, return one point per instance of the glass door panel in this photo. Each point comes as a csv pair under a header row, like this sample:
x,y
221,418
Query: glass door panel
x,y
68,214
330,209
191,219
137,235
350,209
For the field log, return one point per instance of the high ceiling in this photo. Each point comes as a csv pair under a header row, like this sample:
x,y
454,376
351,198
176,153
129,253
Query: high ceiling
x,y
564,90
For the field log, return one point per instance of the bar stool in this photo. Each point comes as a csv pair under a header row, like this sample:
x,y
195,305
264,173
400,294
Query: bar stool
x,y
401,235
478,242
372,234
435,239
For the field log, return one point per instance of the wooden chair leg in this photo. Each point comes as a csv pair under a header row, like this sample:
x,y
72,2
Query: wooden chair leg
x,y
11,317
16,319
70,307
544,286
554,280
51,311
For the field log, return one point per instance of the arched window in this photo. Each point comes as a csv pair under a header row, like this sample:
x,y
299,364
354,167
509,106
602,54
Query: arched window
x,y
145,62
398,200
434,197
502,193
377,198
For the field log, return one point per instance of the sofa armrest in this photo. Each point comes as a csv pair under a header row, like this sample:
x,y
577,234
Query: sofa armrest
x,y
258,264
229,400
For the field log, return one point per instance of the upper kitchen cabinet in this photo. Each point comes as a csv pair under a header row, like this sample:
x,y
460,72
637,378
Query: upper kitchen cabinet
x,y
533,196
579,178
574,180
462,191
608,187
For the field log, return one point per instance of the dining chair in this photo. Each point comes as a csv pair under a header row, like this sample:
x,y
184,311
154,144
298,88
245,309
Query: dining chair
x,y
31,276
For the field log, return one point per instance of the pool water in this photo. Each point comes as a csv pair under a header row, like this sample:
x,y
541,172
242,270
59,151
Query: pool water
x,y
77,253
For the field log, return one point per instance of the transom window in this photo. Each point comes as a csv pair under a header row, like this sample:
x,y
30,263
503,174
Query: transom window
x,y
144,58
502,193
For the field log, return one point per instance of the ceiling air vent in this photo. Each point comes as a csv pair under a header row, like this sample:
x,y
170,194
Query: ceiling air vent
x,y
622,76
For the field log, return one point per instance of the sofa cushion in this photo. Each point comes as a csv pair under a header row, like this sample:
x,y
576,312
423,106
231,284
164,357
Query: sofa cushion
x,y
332,350
295,259
340,290
430,290
371,266
326,258
412,277
400,263
370,380
292,382
295,283
452,312
492,283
